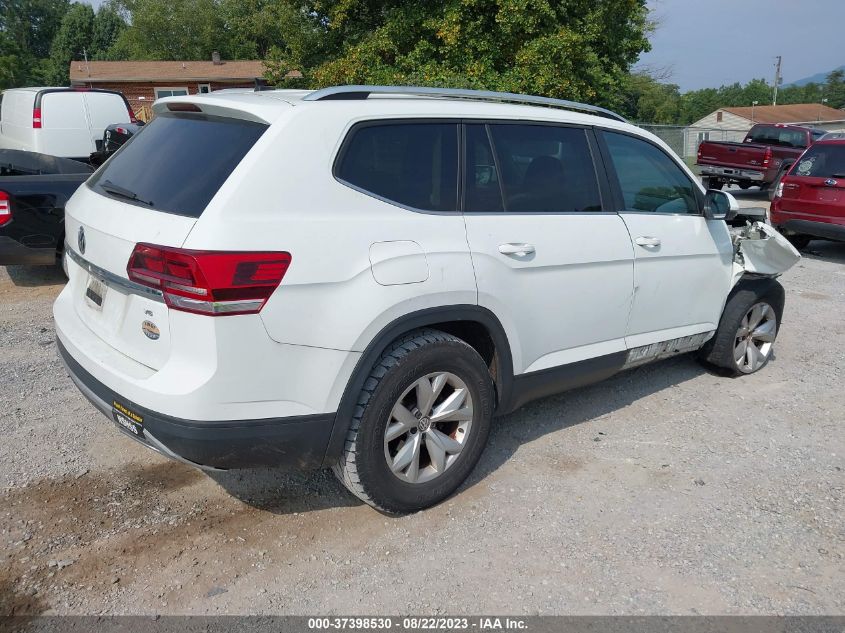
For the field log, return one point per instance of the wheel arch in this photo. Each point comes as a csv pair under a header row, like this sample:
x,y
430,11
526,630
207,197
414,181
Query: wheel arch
x,y
476,325
763,286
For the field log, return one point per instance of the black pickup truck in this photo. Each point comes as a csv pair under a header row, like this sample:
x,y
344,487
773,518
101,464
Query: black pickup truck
x,y
34,189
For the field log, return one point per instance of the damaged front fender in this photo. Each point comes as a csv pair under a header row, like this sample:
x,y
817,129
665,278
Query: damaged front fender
x,y
760,250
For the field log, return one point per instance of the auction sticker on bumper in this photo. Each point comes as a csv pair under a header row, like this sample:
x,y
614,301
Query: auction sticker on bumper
x,y
129,420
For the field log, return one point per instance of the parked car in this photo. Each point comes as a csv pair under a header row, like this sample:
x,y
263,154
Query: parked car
x,y
309,279
63,122
766,153
810,200
33,191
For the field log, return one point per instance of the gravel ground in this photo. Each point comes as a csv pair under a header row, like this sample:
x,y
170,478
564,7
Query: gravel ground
x,y
666,489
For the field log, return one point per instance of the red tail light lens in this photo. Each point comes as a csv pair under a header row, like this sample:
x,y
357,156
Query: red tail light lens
x,y
5,208
216,283
36,118
767,157
132,117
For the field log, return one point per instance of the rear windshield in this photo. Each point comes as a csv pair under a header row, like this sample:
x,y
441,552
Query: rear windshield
x,y
177,163
772,135
822,161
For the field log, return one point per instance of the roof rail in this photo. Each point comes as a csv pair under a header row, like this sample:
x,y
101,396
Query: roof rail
x,y
362,92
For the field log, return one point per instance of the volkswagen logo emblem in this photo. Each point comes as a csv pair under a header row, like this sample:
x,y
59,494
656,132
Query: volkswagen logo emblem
x,y
830,182
80,240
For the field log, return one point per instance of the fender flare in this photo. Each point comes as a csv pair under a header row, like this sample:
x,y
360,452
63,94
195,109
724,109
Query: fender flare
x,y
403,325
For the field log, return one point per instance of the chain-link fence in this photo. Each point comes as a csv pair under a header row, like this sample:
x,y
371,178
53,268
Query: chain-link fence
x,y
685,140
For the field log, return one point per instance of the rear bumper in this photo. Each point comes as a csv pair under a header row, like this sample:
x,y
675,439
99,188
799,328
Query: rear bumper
x,y
292,442
824,230
14,253
733,173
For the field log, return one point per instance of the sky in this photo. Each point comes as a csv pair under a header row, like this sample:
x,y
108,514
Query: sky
x,y
708,43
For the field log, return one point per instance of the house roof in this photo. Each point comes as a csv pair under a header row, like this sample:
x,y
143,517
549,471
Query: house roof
x,y
795,113
235,70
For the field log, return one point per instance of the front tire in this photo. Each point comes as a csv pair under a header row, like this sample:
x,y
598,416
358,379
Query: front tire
x,y
421,423
800,242
744,341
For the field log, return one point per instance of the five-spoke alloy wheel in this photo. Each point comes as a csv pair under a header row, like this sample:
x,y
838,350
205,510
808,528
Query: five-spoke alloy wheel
x,y
754,338
744,341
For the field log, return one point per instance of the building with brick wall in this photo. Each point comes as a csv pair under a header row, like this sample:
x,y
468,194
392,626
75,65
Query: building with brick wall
x,y
145,81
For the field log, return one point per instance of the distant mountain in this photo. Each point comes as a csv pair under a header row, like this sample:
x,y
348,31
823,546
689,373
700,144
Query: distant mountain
x,y
818,78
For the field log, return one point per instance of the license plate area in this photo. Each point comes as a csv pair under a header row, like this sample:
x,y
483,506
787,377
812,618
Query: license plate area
x,y
95,293
127,419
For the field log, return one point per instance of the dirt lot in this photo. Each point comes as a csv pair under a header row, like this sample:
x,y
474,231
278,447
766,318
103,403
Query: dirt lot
x,y
664,490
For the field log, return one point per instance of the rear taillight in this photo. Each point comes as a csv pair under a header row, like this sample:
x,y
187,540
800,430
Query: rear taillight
x,y
36,118
216,283
767,156
132,117
779,190
5,208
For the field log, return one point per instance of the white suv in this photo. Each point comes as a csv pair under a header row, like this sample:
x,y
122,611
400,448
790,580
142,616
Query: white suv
x,y
362,277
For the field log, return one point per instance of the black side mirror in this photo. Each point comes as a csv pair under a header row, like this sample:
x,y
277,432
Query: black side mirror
x,y
720,205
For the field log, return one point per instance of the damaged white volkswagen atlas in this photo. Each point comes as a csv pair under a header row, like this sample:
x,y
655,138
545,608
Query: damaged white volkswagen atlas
x,y
362,277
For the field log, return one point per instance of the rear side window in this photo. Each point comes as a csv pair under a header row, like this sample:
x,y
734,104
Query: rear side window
x,y
822,161
773,135
414,164
650,181
177,163
545,168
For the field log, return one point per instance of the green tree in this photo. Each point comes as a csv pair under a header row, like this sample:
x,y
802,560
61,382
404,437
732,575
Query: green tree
x,y
27,28
72,41
576,49
107,27
834,89
172,30
649,101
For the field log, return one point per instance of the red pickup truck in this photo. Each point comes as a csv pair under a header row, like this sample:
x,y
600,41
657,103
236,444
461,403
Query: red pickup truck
x,y
766,154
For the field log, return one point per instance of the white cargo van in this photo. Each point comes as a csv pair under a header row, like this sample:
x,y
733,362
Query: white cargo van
x,y
64,122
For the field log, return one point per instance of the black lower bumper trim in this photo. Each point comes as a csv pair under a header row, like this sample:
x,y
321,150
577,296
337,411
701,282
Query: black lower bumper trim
x,y
292,442
13,253
824,230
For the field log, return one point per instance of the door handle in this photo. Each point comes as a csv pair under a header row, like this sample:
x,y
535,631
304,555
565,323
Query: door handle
x,y
512,248
645,240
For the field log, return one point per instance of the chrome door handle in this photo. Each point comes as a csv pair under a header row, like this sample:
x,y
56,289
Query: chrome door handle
x,y
512,248
645,240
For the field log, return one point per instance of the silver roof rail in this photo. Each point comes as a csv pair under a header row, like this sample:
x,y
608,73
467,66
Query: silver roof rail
x,y
362,92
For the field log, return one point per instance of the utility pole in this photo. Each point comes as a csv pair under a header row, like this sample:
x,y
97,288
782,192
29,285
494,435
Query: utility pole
x,y
777,80
87,67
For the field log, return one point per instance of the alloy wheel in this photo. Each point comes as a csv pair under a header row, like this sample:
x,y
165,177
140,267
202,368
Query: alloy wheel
x,y
754,338
428,427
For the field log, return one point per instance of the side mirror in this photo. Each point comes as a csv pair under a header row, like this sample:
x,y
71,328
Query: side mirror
x,y
720,205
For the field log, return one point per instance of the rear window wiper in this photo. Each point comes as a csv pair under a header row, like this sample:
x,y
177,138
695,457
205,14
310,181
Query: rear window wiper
x,y
116,190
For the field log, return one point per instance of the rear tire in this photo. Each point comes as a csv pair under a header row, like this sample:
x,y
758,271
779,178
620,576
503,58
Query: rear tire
x,y
398,456
744,341
713,183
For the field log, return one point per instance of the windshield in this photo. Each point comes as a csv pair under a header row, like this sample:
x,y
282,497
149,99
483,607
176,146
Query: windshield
x,y
177,163
773,135
822,161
